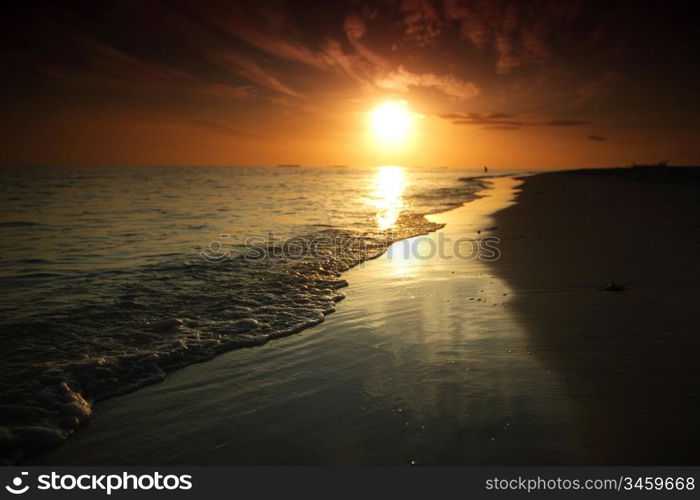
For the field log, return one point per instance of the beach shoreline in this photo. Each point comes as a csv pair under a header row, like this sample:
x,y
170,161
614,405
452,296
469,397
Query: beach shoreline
x,y
121,338
516,361
421,363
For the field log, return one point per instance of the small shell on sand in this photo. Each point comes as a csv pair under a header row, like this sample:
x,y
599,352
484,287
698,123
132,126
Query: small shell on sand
x,y
613,287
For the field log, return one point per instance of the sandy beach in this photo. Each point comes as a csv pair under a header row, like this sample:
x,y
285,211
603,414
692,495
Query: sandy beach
x,y
442,360
628,359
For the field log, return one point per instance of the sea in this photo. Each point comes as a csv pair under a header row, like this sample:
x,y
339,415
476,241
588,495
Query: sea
x,y
112,277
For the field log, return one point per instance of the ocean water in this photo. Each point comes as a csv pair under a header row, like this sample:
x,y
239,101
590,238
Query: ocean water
x,y
113,277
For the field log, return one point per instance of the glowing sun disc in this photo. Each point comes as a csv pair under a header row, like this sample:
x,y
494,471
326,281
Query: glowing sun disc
x,y
390,121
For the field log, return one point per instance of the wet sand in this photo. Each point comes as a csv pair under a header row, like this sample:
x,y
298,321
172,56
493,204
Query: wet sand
x,y
422,362
629,359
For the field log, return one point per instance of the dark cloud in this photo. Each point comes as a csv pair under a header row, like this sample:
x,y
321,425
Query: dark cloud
x,y
439,45
565,123
422,21
502,127
519,33
505,121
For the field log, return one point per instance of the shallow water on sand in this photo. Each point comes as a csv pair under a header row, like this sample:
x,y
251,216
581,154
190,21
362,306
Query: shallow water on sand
x,y
421,363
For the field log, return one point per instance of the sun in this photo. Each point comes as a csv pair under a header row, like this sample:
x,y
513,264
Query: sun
x,y
391,121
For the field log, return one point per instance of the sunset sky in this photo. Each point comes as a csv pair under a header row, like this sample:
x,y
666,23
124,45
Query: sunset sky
x,y
547,84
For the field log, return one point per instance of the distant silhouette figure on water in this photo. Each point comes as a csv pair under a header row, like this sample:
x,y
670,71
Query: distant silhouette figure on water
x,y
486,169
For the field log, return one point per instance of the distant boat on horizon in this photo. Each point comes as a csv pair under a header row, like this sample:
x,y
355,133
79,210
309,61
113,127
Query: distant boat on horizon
x,y
289,165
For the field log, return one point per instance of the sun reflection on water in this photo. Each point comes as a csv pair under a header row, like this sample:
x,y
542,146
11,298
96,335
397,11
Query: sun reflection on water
x,y
388,192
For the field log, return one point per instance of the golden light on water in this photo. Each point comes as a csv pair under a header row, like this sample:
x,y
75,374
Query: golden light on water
x,y
389,185
391,122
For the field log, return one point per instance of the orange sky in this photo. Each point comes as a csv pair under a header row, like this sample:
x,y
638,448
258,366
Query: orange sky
x,y
564,85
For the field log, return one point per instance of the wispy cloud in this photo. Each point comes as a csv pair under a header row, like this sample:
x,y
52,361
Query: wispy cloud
x,y
505,121
251,71
565,123
596,87
403,80
501,120
352,57
266,30
422,22
519,33
220,127
226,91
